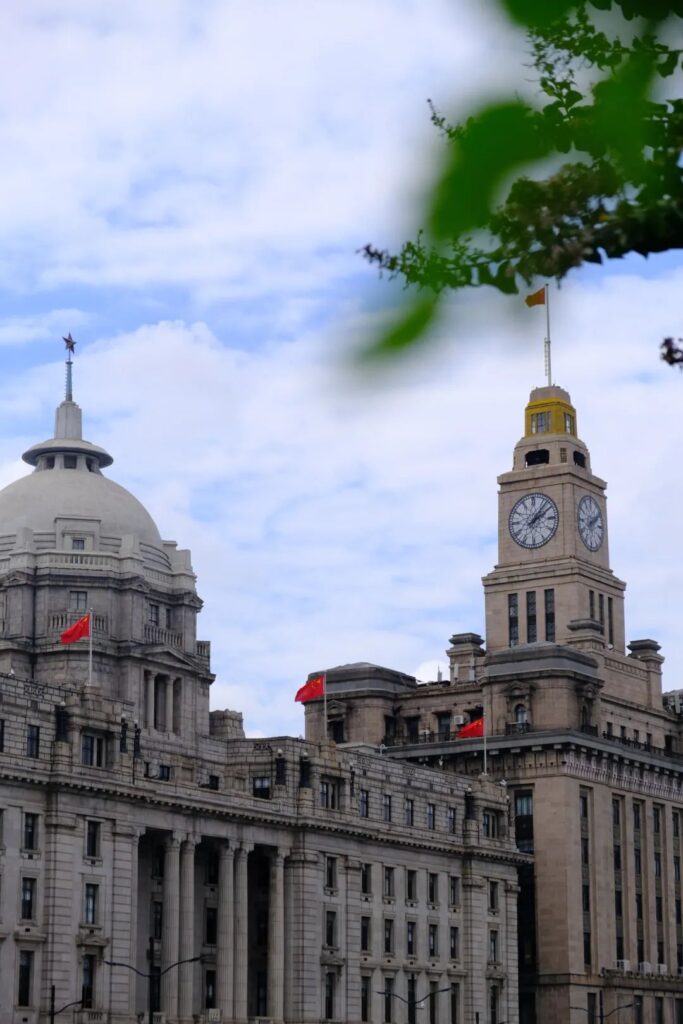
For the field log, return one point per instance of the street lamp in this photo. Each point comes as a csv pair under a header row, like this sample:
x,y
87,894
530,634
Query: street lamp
x,y
414,1004
602,1016
53,1012
118,963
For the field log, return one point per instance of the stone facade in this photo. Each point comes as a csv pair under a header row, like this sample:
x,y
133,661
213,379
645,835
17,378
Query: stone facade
x,y
577,728
152,857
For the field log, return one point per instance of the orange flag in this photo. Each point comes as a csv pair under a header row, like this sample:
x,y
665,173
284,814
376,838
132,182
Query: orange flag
x,y
77,631
536,298
312,689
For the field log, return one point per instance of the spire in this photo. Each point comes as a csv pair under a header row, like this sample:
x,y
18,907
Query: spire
x,y
70,347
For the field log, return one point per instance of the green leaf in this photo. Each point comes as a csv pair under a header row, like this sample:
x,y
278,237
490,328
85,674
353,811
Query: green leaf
x,y
535,13
409,329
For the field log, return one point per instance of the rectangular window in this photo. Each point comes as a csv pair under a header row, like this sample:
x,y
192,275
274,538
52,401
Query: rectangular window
x,y
584,851
587,949
388,935
636,817
25,977
618,903
432,887
659,1010
617,857
410,938
637,862
411,884
493,897
90,908
431,816
154,614
452,820
365,934
455,943
610,622
209,990
658,865
210,925
493,946
411,1009
639,906
592,1008
658,908
386,806
365,982
260,787
164,773
92,838
33,741
677,869
549,600
531,634
586,898
2,735
331,928
78,600
331,872
366,879
455,1003
513,620
676,823
388,882
616,815
601,609
30,831
330,979
433,940
364,803
388,1000
28,899
157,918
92,750
409,811
656,820
329,794
78,543
88,987
454,890
591,604
583,805
433,1002
490,824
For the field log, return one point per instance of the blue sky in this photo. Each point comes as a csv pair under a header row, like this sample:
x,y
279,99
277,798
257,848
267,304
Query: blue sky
x,y
186,186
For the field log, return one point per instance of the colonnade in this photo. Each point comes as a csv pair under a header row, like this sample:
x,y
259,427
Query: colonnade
x,y
177,995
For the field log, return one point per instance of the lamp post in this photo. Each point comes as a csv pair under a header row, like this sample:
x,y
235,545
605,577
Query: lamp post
x,y
53,1012
149,976
602,1016
414,1004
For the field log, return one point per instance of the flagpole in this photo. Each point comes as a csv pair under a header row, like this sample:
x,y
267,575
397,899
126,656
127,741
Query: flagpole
x,y
485,764
548,368
90,648
325,701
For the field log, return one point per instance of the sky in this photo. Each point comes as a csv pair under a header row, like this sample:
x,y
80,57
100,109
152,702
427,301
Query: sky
x,y
186,187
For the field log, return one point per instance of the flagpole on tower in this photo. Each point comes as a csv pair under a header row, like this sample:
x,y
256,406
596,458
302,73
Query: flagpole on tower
x,y
70,348
90,648
548,367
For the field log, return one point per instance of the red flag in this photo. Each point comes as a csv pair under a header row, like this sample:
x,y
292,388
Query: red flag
x,y
536,298
77,631
312,688
472,729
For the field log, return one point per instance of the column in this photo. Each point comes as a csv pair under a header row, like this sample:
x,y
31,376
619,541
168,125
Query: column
x,y
224,938
169,927
169,703
186,943
276,937
149,699
241,931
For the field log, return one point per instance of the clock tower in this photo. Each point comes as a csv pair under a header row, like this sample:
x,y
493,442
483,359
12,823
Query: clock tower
x,y
553,576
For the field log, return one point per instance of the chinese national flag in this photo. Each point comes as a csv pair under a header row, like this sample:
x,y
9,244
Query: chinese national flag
x,y
536,298
77,631
472,729
314,687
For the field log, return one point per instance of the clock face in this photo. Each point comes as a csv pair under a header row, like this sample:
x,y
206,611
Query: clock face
x,y
591,526
533,520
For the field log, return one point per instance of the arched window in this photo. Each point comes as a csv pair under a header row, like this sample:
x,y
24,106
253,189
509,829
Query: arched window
x,y
521,714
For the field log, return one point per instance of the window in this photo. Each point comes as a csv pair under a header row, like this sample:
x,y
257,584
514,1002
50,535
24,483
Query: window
x,y
493,897
30,831
90,908
92,750
88,988
388,1000
92,838
214,782
451,820
411,884
443,725
540,422
677,869
591,604
616,812
568,423
78,543
410,938
331,928
409,811
637,862
658,865
584,852
2,735
513,620
210,925
388,935
549,600
490,824
365,934
493,946
388,881
656,820
330,979
676,823
431,816
28,898
610,621
33,741
531,635
658,908
25,977
432,888
455,1003
618,906
583,805
493,1004
329,794
454,890
617,857
164,773
636,817
154,614
639,906
364,803
386,806
587,949
585,898
659,1010
412,999
70,461
433,940
210,990
260,787
78,600
365,998
157,918
331,872
433,1002
601,609
520,714
455,942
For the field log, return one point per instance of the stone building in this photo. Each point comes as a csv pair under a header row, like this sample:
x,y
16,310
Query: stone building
x,y
575,725
293,880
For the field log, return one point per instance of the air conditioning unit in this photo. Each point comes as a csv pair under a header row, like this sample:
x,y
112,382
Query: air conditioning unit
x,y
662,969
644,967
458,719
623,965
